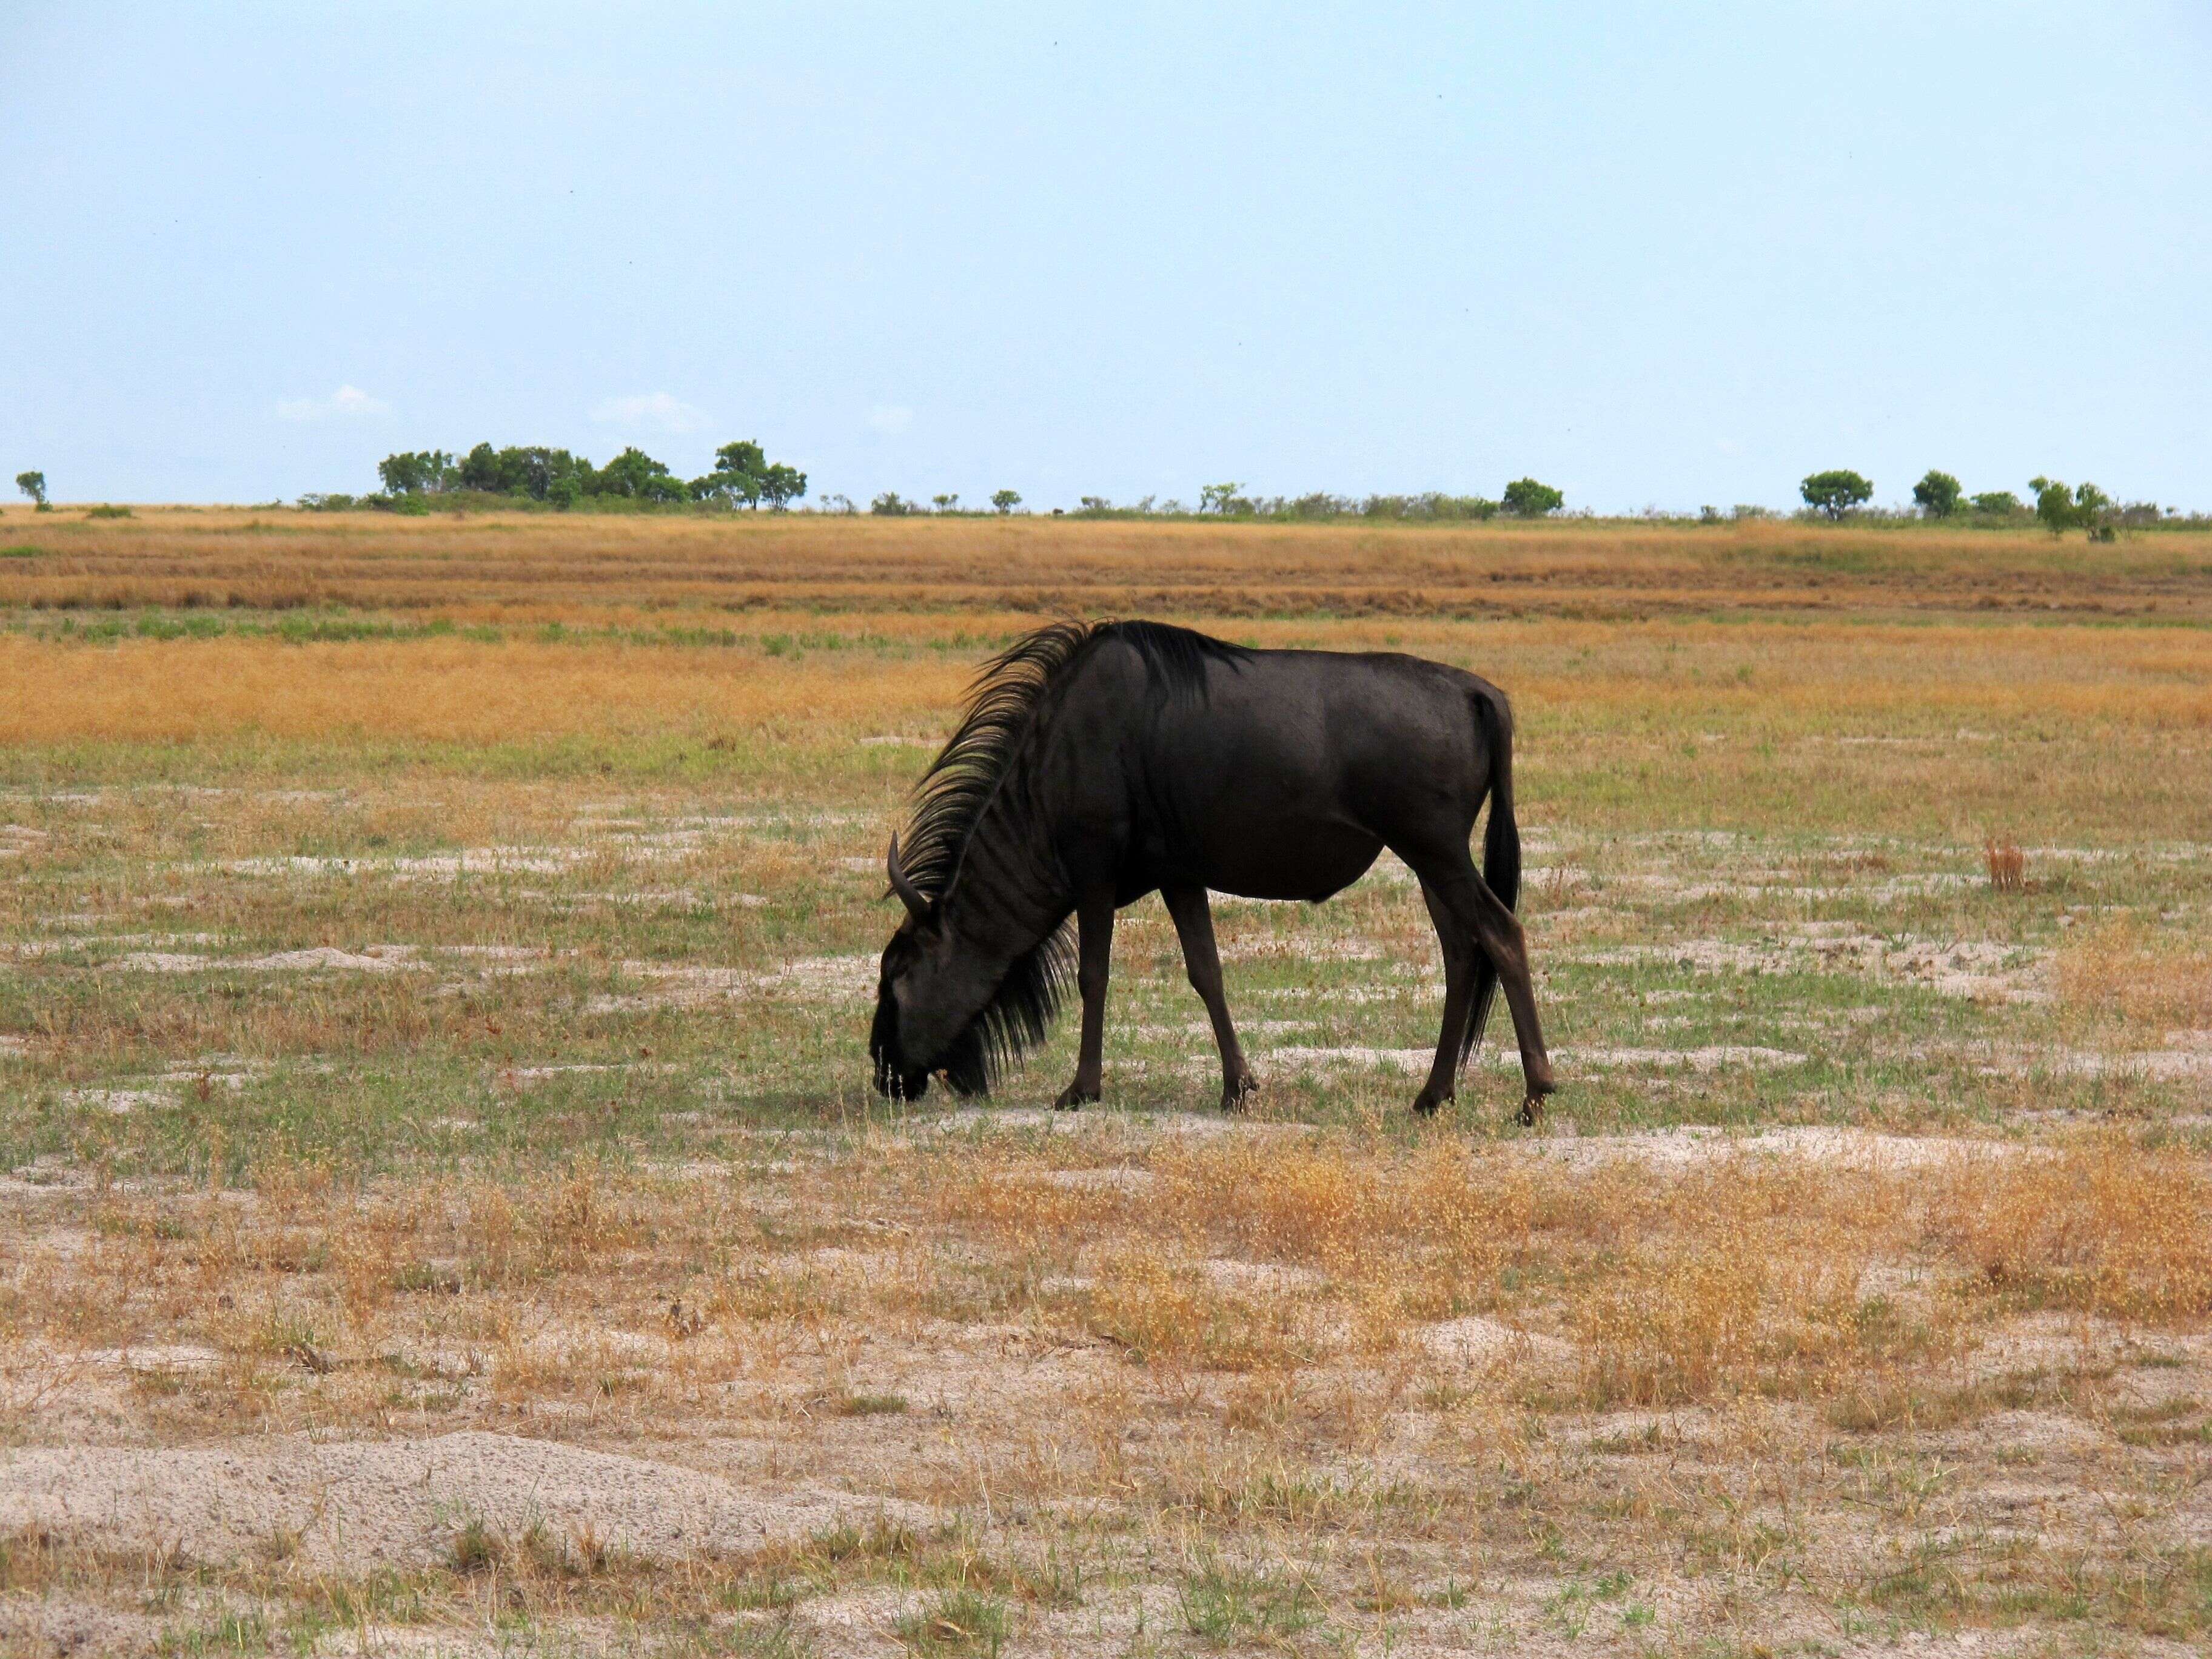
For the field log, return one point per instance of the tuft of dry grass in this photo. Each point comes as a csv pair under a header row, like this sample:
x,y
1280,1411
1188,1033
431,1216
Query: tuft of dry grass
x,y
2006,865
2101,1227
2123,971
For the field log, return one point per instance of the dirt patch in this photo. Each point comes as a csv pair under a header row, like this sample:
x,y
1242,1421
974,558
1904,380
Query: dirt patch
x,y
401,1503
57,1625
1114,1178
322,958
1691,1143
1261,1277
1479,1342
843,979
437,866
120,1102
1974,970
1710,1059
1302,950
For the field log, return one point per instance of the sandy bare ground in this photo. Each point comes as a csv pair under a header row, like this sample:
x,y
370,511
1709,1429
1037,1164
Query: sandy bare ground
x,y
361,1505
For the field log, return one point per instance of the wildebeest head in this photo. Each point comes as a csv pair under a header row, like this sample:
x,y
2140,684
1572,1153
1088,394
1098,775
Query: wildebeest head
x,y
924,999
953,1005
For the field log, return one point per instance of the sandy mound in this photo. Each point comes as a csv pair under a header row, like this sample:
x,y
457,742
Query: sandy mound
x,y
401,1502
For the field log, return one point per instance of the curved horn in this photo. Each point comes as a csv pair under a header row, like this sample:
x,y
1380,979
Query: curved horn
x,y
909,895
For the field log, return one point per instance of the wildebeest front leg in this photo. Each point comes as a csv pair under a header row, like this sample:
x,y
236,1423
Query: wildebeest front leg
x,y
1194,922
1094,925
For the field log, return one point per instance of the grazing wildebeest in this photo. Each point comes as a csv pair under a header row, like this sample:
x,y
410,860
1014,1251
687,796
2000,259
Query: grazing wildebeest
x,y
1099,762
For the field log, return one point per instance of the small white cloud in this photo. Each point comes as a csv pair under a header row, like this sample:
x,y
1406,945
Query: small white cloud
x,y
655,410
890,418
348,402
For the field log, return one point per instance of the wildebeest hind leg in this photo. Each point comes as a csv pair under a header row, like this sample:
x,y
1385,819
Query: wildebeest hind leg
x,y
1193,922
1094,949
1458,948
1500,933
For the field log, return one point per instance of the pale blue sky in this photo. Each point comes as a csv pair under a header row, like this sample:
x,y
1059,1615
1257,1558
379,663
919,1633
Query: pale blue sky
x,y
1658,253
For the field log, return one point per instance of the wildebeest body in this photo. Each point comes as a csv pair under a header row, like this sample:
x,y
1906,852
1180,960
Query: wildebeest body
x,y
1283,777
1131,757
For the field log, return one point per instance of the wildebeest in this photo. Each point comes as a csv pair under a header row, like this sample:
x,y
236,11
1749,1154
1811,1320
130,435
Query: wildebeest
x,y
1099,762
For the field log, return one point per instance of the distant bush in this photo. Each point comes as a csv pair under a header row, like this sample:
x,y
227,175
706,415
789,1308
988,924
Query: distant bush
x,y
2083,508
744,476
1004,502
104,511
1998,504
33,485
892,505
535,471
531,474
412,471
1432,505
1834,493
1938,494
1525,498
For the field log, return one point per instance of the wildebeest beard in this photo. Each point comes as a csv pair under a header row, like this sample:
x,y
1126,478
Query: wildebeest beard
x,y
1017,1017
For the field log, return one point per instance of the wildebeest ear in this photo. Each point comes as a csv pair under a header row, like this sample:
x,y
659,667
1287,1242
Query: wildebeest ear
x,y
909,895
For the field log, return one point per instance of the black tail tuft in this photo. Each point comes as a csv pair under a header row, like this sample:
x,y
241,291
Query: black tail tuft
x,y
1501,851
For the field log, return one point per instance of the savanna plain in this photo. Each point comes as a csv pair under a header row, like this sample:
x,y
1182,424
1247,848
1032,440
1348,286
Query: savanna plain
x,y
445,1208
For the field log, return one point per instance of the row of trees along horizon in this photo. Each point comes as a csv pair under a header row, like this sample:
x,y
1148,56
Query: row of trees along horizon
x,y
744,478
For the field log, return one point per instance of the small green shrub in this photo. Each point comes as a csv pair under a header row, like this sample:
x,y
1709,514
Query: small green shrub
x,y
959,1622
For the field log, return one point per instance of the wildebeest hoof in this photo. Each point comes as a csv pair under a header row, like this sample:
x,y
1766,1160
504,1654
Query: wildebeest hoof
x,y
1425,1104
1073,1098
1238,1092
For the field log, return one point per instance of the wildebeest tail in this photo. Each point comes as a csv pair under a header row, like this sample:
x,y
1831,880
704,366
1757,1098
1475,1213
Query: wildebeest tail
x,y
1501,849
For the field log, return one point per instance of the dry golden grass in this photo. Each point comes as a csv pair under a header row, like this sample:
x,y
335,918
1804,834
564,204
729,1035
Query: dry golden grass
x,y
1770,679
537,567
442,691
2102,1227
1737,1278
2126,970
